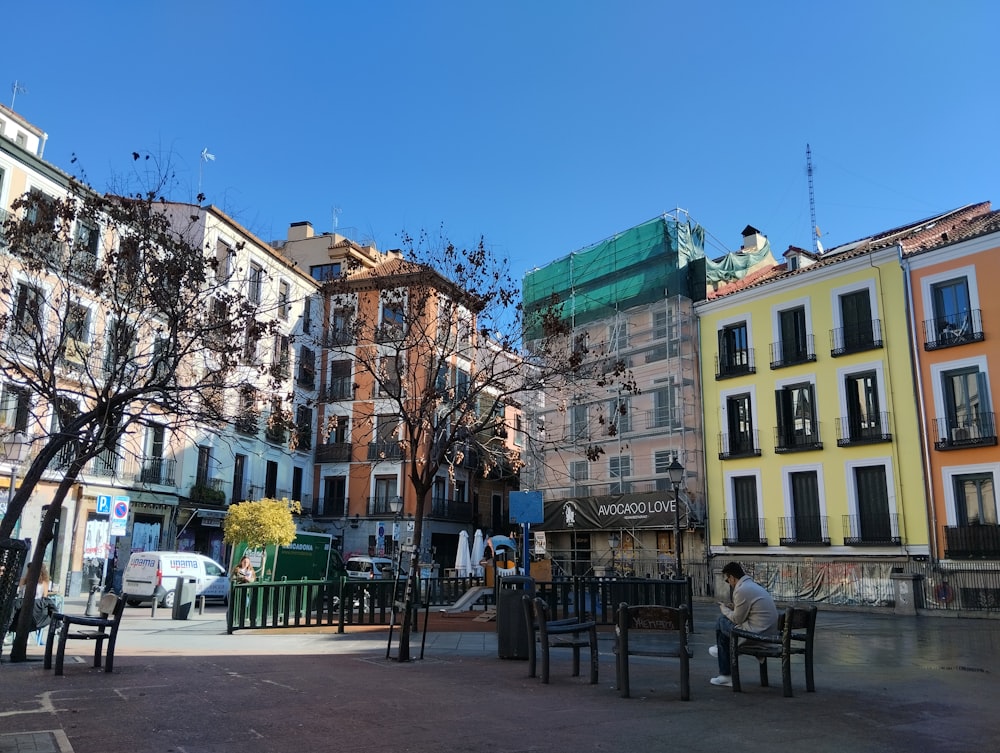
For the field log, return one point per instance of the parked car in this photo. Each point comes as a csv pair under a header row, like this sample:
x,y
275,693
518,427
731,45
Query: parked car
x,y
368,568
154,575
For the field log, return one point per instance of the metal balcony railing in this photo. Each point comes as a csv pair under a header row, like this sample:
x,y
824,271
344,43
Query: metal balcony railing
x,y
871,530
869,430
333,452
972,542
801,530
955,434
954,329
857,338
153,470
789,439
743,532
735,363
742,445
790,353
389,450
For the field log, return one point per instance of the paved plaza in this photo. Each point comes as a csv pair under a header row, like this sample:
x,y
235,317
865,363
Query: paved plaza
x,y
884,683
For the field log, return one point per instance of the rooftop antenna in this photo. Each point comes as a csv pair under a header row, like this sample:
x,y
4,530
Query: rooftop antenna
x,y
336,218
16,88
812,203
206,156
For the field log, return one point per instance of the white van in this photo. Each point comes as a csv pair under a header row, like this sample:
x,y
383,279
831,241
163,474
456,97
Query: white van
x,y
153,575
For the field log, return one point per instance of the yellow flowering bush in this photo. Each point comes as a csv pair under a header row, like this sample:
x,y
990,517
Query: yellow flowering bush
x,y
267,521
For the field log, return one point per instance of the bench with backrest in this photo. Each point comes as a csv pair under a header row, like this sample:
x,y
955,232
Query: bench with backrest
x,y
652,630
78,627
796,630
571,633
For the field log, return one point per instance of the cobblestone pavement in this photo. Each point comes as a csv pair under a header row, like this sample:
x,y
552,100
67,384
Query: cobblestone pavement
x,y
884,684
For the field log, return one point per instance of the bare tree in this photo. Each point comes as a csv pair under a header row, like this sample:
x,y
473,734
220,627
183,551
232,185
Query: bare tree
x,y
434,337
114,318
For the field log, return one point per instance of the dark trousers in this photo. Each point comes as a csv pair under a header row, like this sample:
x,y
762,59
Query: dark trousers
x,y
723,629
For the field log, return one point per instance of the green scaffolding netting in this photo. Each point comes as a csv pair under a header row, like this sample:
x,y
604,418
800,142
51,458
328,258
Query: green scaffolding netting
x,y
659,258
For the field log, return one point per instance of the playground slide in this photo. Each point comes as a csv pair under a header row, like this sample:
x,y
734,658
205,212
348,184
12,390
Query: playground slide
x,y
467,599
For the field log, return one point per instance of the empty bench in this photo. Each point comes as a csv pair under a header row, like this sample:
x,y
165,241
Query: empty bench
x,y
101,630
652,630
796,632
574,634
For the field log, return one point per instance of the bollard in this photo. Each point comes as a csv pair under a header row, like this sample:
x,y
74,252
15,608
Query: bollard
x,y
95,597
201,604
152,606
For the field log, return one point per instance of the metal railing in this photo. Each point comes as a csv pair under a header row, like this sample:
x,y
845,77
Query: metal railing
x,y
857,338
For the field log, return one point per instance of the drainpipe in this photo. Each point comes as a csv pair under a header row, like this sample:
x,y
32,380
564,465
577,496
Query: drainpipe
x,y
911,325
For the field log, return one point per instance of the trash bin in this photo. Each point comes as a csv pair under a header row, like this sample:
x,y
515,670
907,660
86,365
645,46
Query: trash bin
x,y
512,629
907,593
184,593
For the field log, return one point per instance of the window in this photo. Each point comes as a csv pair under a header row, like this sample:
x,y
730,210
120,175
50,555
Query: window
x,y
204,469
325,272
793,347
303,427
663,408
385,489
275,431
152,463
224,260
217,326
255,285
518,430
340,433
283,299
341,387
307,367
578,423
334,502
873,524
797,426
271,479
740,438
619,468
975,499
77,329
951,309
280,356
659,325
618,336
239,477
392,320
461,384
386,429
15,405
28,312
864,421
858,330
390,375
120,345
661,466
460,491
307,315
735,356
162,368
85,251
250,338
807,525
340,326
619,416
247,419
579,472
747,515
967,405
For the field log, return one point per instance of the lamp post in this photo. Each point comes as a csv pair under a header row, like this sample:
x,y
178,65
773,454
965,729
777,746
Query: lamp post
x,y
676,473
613,541
395,507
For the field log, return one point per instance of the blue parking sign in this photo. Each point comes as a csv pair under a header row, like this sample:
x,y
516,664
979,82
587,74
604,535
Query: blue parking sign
x,y
103,504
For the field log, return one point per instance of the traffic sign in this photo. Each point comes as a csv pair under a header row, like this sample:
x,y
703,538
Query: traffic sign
x,y
103,504
119,515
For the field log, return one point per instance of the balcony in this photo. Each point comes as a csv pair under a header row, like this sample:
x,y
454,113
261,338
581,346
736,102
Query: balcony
x,y
743,445
972,542
956,329
338,391
804,530
106,463
871,530
333,452
449,509
248,423
155,471
734,364
787,439
338,337
209,491
389,450
329,507
874,429
958,434
743,532
856,339
379,506
791,353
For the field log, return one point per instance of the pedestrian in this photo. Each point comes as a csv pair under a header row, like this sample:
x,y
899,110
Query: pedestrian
x,y
752,608
244,572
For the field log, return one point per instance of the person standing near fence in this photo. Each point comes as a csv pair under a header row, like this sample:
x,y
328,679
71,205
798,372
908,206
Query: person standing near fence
x,y
752,608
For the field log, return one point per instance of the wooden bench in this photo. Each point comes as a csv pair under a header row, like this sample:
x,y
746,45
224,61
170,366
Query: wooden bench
x,y
79,627
796,630
652,630
570,633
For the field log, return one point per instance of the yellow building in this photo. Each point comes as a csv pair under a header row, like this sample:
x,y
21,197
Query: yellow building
x,y
817,481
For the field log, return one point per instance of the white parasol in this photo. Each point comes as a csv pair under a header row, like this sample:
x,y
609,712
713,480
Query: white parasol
x,y
463,557
478,552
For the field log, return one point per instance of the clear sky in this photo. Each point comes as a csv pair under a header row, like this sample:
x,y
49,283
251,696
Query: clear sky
x,y
542,125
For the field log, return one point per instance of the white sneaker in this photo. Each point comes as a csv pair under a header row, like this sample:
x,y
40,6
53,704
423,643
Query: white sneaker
x,y
725,680
714,651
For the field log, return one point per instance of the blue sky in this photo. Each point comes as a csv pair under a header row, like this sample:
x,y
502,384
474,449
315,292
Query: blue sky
x,y
542,125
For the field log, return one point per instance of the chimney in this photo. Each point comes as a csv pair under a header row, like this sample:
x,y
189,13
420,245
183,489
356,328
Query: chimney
x,y
299,231
753,240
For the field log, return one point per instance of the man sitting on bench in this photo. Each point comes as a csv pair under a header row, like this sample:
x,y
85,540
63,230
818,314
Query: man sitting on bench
x,y
752,608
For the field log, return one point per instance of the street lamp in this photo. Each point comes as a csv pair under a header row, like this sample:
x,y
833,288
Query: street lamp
x,y
676,473
395,507
613,541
